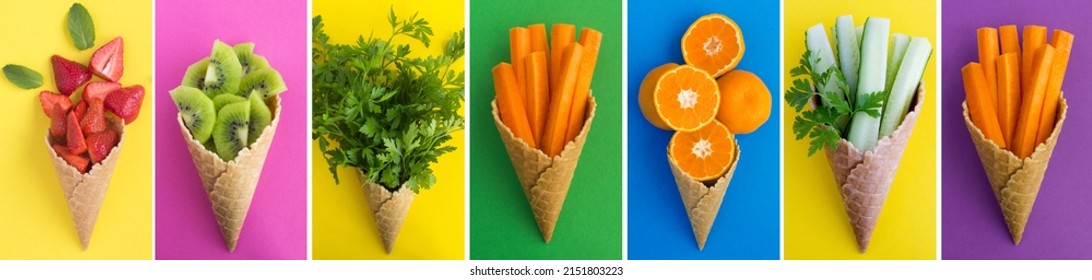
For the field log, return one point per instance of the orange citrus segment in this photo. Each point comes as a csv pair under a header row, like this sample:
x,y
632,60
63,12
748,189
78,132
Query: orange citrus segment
x,y
679,97
744,101
704,154
713,43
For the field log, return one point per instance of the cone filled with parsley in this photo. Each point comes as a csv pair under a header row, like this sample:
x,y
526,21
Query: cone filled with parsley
x,y
385,113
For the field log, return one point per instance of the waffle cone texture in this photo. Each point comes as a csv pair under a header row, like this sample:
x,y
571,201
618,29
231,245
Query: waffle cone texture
x,y
85,192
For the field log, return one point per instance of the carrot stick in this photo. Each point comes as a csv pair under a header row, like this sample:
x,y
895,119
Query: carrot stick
x,y
983,113
561,35
1010,40
1062,42
539,43
520,43
538,38
538,92
1031,107
1034,37
590,39
561,100
510,103
987,56
1008,93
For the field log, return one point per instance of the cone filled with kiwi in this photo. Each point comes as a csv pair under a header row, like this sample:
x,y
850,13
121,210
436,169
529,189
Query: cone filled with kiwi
x,y
228,110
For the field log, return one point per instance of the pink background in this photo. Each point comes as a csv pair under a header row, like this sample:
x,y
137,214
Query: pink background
x,y
276,226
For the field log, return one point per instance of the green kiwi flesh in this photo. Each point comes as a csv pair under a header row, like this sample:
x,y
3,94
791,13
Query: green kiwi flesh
x,y
224,71
266,81
197,111
232,125
260,118
224,99
195,74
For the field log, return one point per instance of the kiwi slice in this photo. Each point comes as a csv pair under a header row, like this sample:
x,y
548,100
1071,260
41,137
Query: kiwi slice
x,y
224,99
266,82
245,52
258,62
260,117
197,111
232,125
224,71
195,74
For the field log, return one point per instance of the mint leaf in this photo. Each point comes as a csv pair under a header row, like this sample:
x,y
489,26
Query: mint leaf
x,y
22,76
80,27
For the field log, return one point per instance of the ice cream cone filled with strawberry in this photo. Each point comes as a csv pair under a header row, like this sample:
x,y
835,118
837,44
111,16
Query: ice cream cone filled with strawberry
x,y
85,137
228,109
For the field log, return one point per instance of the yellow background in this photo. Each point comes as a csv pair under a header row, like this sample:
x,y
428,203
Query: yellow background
x,y
816,225
34,220
343,227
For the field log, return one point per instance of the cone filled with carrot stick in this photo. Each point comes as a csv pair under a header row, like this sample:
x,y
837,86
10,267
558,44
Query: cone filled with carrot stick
x,y
544,109
1015,124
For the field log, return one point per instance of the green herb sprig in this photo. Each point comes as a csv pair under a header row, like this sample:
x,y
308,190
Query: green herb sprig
x,y
826,123
381,111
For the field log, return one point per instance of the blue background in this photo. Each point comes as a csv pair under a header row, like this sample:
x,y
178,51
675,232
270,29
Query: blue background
x,y
748,224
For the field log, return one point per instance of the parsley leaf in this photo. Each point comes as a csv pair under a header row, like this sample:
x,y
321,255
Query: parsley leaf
x,y
826,123
379,110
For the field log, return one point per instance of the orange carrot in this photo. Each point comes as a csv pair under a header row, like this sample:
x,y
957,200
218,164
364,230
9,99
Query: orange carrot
x,y
1008,93
1034,37
987,56
590,39
1010,40
1031,107
538,38
538,92
561,100
1062,42
561,35
539,43
520,43
510,103
983,113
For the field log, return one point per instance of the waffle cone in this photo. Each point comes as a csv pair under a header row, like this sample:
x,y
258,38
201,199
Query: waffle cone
x,y
389,208
864,178
702,202
545,180
1015,182
85,192
230,185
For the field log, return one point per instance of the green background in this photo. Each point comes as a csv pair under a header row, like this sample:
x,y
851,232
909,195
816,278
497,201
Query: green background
x,y
501,223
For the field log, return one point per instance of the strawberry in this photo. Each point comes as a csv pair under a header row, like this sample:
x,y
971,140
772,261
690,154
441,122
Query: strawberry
x,y
49,99
107,62
100,144
125,103
69,75
81,109
95,120
99,90
76,143
57,119
75,160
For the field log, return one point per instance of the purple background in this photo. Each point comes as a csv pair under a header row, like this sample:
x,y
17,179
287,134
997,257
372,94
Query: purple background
x,y
1060,226
276,225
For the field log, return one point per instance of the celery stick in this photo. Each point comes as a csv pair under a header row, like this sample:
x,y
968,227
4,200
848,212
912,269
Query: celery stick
x,y
898,49
906,83
864,129
849,50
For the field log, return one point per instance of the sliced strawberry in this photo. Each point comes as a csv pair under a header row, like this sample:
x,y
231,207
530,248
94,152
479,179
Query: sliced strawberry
x,y
75,160
81,109
108,61
69,75
49,99
99,90
76,143
125,103
57,119
95,120
100,144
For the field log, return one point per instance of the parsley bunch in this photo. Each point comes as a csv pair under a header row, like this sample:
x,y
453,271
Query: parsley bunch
x,y
381,111
827,122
